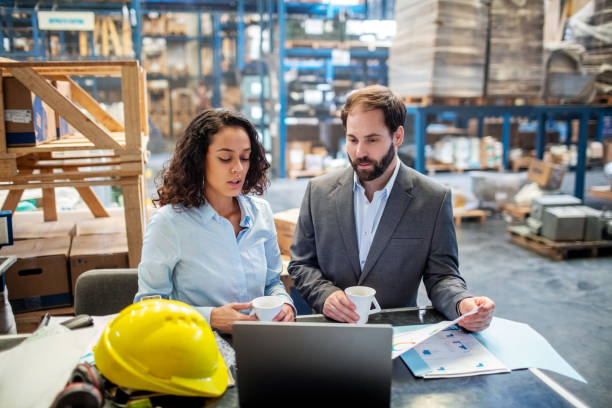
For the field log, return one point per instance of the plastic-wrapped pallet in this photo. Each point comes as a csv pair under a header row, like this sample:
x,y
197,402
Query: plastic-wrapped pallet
x,y
515,58
439,48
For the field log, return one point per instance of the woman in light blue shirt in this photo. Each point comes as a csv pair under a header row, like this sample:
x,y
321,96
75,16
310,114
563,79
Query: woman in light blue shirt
x,y
210,244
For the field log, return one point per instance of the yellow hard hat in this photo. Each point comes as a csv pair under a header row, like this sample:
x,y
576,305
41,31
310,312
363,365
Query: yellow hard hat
x,y
162,346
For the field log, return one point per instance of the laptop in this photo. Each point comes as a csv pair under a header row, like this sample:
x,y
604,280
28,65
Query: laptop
x,y
313,364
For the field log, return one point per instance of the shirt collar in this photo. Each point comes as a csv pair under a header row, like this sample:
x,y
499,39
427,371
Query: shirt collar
x,y
246,215
387,189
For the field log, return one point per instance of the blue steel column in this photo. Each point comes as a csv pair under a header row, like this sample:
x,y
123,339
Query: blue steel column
x,y
419,139
62,40
599,134
506,140
282,134
541,135
217,74
240,39
2,30
568,133
136,15
37,47
200,46
480,127
583,135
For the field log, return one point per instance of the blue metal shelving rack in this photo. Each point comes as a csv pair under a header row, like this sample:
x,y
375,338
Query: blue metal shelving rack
x,y
540,113
382,9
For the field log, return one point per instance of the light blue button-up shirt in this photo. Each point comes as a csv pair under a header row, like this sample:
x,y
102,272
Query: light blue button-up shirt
x,y
367,214
193,255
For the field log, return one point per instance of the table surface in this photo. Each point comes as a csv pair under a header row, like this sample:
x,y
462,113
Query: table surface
x,y
520,388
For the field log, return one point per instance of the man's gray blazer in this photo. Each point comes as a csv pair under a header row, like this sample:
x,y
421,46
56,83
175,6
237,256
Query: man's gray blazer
x,y
415,240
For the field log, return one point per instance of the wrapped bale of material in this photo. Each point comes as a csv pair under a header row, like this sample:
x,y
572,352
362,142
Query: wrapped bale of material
x,y
515,57
439,48
591,27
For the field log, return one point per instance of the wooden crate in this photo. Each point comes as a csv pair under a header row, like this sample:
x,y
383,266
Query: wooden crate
x,y
101,151
557,250
460,215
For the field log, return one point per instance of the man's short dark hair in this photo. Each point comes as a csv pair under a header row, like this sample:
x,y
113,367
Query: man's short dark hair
x,y
377,97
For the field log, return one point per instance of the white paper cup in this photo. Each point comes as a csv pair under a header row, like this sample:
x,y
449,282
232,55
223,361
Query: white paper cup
x,y
363,297
267,307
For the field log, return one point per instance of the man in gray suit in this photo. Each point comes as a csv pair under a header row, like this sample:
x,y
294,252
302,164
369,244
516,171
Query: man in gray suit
x,y
379,224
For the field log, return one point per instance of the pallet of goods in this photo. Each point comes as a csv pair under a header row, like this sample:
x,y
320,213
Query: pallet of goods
x,y
439,48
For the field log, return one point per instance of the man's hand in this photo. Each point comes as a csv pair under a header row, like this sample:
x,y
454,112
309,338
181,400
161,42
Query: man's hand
x,y
285,315
479,320
222,318
339,307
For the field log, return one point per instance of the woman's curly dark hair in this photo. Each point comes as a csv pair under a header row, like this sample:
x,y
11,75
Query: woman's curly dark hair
x,y
183,177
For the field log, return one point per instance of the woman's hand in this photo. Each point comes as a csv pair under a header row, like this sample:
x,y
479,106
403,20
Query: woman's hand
x,y
223,318
285,315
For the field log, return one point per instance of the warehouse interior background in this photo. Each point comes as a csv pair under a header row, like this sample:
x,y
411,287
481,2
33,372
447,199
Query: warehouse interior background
x,y
509,103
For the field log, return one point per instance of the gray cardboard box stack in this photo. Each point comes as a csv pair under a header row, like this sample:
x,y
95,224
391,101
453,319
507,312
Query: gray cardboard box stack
x,y
515,59
563,223
572,223
439,48
540,203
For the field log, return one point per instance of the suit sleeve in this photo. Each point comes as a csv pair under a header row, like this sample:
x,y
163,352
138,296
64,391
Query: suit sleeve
x,y
445,286
304,266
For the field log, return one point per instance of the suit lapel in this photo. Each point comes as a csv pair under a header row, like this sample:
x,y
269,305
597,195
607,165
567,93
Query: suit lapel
x,y
345,212
396,205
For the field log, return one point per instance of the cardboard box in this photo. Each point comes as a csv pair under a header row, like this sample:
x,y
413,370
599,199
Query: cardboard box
x,y
29,121
102,251
547,175
104,225
539,204
296,154
285,223
33,230
563,223
39,279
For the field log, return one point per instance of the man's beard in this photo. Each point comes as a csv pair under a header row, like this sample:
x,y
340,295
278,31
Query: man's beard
x,y
379,166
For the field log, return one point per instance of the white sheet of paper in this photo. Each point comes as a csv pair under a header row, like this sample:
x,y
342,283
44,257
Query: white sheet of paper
x,y
32,373
403,342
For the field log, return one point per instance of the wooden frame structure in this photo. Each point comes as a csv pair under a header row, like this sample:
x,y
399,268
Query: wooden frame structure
x,y
101,151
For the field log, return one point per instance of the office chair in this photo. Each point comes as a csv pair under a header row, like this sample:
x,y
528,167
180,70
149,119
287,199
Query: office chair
x,y
101,292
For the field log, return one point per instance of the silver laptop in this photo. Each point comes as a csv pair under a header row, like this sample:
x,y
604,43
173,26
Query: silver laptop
x,y
313,364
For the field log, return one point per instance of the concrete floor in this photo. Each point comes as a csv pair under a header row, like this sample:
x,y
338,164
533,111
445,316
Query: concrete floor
x,y
568,302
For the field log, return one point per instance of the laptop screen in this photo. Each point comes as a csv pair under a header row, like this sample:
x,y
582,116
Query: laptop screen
x,y
313,364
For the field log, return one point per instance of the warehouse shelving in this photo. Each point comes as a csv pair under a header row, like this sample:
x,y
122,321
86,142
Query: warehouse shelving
x,y
320,58
540,113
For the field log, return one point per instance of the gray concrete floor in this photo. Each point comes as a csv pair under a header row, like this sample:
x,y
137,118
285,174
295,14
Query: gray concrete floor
x,y
568,302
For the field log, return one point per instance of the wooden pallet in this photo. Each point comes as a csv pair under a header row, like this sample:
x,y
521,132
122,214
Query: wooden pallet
x,y
471,100
519,212
435,167
604,192
102,151
558,250
294,174
477,214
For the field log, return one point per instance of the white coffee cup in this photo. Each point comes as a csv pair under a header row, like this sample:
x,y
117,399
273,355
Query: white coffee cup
x,y
363,297
267,307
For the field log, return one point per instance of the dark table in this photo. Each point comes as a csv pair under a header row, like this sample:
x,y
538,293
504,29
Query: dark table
x,y
520,388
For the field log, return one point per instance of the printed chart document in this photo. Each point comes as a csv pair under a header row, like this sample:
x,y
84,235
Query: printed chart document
x,y
402,342
515,345
452,352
